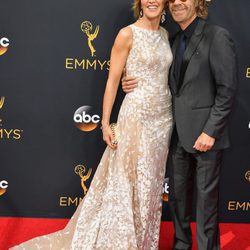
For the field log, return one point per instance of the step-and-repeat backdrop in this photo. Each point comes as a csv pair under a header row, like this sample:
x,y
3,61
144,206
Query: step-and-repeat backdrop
x,y
54,62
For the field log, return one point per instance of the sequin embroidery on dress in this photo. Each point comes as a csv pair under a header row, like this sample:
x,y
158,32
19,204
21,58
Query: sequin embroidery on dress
x,y
122,209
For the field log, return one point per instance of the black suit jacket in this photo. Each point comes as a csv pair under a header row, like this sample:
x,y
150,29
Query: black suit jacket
x,y
203,98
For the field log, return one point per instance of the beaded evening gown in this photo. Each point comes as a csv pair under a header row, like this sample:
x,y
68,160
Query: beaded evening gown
x,y
122,209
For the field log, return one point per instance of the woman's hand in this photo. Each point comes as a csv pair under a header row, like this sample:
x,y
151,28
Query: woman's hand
x,y
108,137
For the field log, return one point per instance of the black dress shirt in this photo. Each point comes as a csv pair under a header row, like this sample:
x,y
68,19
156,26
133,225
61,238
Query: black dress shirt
x,y
184,37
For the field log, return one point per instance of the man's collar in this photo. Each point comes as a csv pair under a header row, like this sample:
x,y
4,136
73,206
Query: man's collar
x,y
188,32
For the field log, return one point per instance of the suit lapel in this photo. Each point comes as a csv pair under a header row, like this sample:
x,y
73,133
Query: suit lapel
x,y
190,50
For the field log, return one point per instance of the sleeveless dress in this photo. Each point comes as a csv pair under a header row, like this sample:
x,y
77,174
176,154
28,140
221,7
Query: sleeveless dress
x,y
122,209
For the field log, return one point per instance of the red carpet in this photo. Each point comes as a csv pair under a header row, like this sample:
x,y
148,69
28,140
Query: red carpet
x,y
17,230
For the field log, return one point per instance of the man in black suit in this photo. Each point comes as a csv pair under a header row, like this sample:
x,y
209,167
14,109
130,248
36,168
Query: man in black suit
x,y
203,81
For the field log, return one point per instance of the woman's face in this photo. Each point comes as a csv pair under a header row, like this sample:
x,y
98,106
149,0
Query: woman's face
x,y
152,8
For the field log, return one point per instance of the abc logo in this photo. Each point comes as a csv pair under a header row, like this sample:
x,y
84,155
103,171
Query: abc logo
x,y
86,118
4,44
3,187
165,193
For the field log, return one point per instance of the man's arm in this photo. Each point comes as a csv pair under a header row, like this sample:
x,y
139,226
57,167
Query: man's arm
x,y
222,61
129,83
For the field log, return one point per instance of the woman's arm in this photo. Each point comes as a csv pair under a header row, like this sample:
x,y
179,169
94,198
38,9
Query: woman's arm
x,y
119,54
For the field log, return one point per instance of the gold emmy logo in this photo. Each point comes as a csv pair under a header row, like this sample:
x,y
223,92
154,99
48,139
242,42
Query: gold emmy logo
x,y
86,28
2,101
3,187
247,175
8,133
80,170
4,44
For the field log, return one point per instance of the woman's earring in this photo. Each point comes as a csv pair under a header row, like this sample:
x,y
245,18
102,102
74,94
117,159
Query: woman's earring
x,y
163,16
141,13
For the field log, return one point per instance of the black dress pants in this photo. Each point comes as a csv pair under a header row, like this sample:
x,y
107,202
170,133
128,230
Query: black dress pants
x,y
186,170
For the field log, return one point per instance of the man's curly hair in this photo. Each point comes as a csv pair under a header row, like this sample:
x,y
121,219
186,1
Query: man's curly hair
x,y
201,8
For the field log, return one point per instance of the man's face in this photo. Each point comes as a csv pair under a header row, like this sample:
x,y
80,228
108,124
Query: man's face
x,y
182,11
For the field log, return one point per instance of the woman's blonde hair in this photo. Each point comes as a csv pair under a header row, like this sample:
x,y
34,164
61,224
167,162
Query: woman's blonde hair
x,y
137,7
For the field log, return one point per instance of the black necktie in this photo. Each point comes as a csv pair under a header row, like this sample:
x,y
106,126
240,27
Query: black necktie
x,y
179,56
